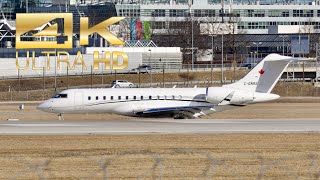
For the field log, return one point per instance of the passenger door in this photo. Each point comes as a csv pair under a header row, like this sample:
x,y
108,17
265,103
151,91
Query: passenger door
x,y
78,100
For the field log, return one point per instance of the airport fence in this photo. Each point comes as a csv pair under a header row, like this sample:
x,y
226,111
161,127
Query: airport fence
x,y
180,164
14,74
32,95
28,89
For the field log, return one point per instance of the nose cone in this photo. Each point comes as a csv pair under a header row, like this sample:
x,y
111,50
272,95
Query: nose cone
x,y
44,106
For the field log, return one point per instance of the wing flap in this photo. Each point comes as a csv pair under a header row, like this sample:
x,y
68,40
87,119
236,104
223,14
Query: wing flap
x,y
181,108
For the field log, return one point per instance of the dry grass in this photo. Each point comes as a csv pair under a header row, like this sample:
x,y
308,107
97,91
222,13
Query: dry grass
x,y
296,89
223,156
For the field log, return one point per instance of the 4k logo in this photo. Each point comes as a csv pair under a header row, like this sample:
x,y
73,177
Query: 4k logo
x,y
26,23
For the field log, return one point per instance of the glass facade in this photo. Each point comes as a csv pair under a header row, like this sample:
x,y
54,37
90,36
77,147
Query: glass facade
x,y
288,17
10,7
97,13
264,2
278,13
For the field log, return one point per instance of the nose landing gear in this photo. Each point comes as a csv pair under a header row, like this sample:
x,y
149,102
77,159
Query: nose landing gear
x,y
60,117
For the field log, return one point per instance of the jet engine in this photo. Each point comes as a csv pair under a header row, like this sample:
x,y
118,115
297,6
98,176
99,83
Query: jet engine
x,y
217,95
241,98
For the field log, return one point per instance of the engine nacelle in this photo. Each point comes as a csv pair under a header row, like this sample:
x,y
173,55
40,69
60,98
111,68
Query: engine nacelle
x,y
241,98
216,95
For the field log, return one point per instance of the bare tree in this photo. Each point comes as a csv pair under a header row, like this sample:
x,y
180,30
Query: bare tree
x,y
124,29
308,28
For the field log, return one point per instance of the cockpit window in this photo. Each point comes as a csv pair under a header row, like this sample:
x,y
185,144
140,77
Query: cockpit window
x,y
60,96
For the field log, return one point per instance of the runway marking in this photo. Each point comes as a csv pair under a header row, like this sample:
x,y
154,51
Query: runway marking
x,y
196,121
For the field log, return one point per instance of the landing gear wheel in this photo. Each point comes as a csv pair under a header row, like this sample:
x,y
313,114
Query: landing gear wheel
x,y
179,116
60,117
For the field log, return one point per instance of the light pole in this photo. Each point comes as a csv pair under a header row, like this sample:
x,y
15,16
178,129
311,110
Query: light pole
x,y
299,34
192,56
257,43
162,74
317,49
27,6
150,69
101,71
139,76
251,60
222,21
212,56
283,36
255,56
288,45
222,57
55,71
247,54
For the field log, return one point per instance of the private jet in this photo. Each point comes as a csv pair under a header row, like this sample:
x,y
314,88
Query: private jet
x,y
179,103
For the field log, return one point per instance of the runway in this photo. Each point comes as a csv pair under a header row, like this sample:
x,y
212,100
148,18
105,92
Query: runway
x,y
160,126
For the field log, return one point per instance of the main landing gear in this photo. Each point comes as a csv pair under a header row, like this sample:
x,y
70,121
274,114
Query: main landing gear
x,y
181,116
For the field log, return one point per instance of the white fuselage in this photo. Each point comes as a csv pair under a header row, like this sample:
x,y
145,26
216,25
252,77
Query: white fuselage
x,y
146,101
124,101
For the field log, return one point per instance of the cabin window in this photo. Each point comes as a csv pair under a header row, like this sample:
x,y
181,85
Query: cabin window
x,y
141,97
64,95
127,97
119,97
150,97
97,97
104,97
111,97
89,98
60,96
134,97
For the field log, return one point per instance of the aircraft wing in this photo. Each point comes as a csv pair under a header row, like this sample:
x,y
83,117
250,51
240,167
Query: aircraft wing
x,y
181,111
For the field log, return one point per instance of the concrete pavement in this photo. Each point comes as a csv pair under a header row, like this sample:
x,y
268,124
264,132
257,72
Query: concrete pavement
x,y
161,126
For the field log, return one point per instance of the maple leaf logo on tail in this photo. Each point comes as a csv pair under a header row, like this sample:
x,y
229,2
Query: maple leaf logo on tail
x,y
261,71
